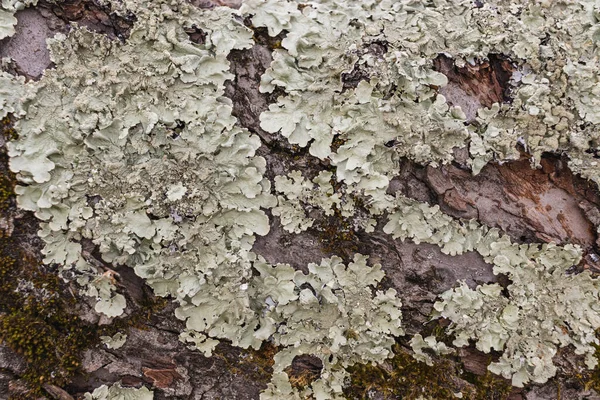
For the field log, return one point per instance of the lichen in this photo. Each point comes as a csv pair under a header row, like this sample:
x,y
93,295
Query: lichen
x,y
545,307
421,347
12,94
114,342
331,313
132,147
176,181
118,392
297,192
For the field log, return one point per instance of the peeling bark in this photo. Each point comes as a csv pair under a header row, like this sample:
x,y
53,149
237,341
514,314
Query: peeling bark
x,y
475,86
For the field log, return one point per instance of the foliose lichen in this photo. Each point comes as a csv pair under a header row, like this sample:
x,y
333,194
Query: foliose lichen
x,y
296,192
133,147
421,347
150,166
117,392
545,308
331,313
114,342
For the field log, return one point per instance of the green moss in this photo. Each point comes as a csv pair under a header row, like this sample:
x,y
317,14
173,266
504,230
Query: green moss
x,y
6,186
406,378
7,128
254,365
34,321
7,178
491,387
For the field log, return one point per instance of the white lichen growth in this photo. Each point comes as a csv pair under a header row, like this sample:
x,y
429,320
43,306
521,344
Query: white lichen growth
x,y
13,93
296,192
132,147
327,40
546,308
114,342
421,346
118,392
388,48
332,313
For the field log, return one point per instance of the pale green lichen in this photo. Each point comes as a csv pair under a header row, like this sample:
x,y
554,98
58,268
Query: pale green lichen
x,y
325,41
421,346
332,313
296,192
13,93
114,342
133,146
546,307
395,101
118,392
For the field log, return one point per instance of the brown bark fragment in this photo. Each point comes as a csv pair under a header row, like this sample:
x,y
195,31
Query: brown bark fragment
x,y
474,361
550,204
304,370
57,393
93,15
162,378
474,86
248,102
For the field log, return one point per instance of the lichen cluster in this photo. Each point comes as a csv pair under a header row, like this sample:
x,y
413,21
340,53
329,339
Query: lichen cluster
x,y
118,392
132,147
151,167
331,313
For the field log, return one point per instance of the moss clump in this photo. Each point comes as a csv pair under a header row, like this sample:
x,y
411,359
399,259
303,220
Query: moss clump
x,y
491,387
45,344
7,128
405,378
7,178
6,185
337,236
34,321
254,365
33,303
